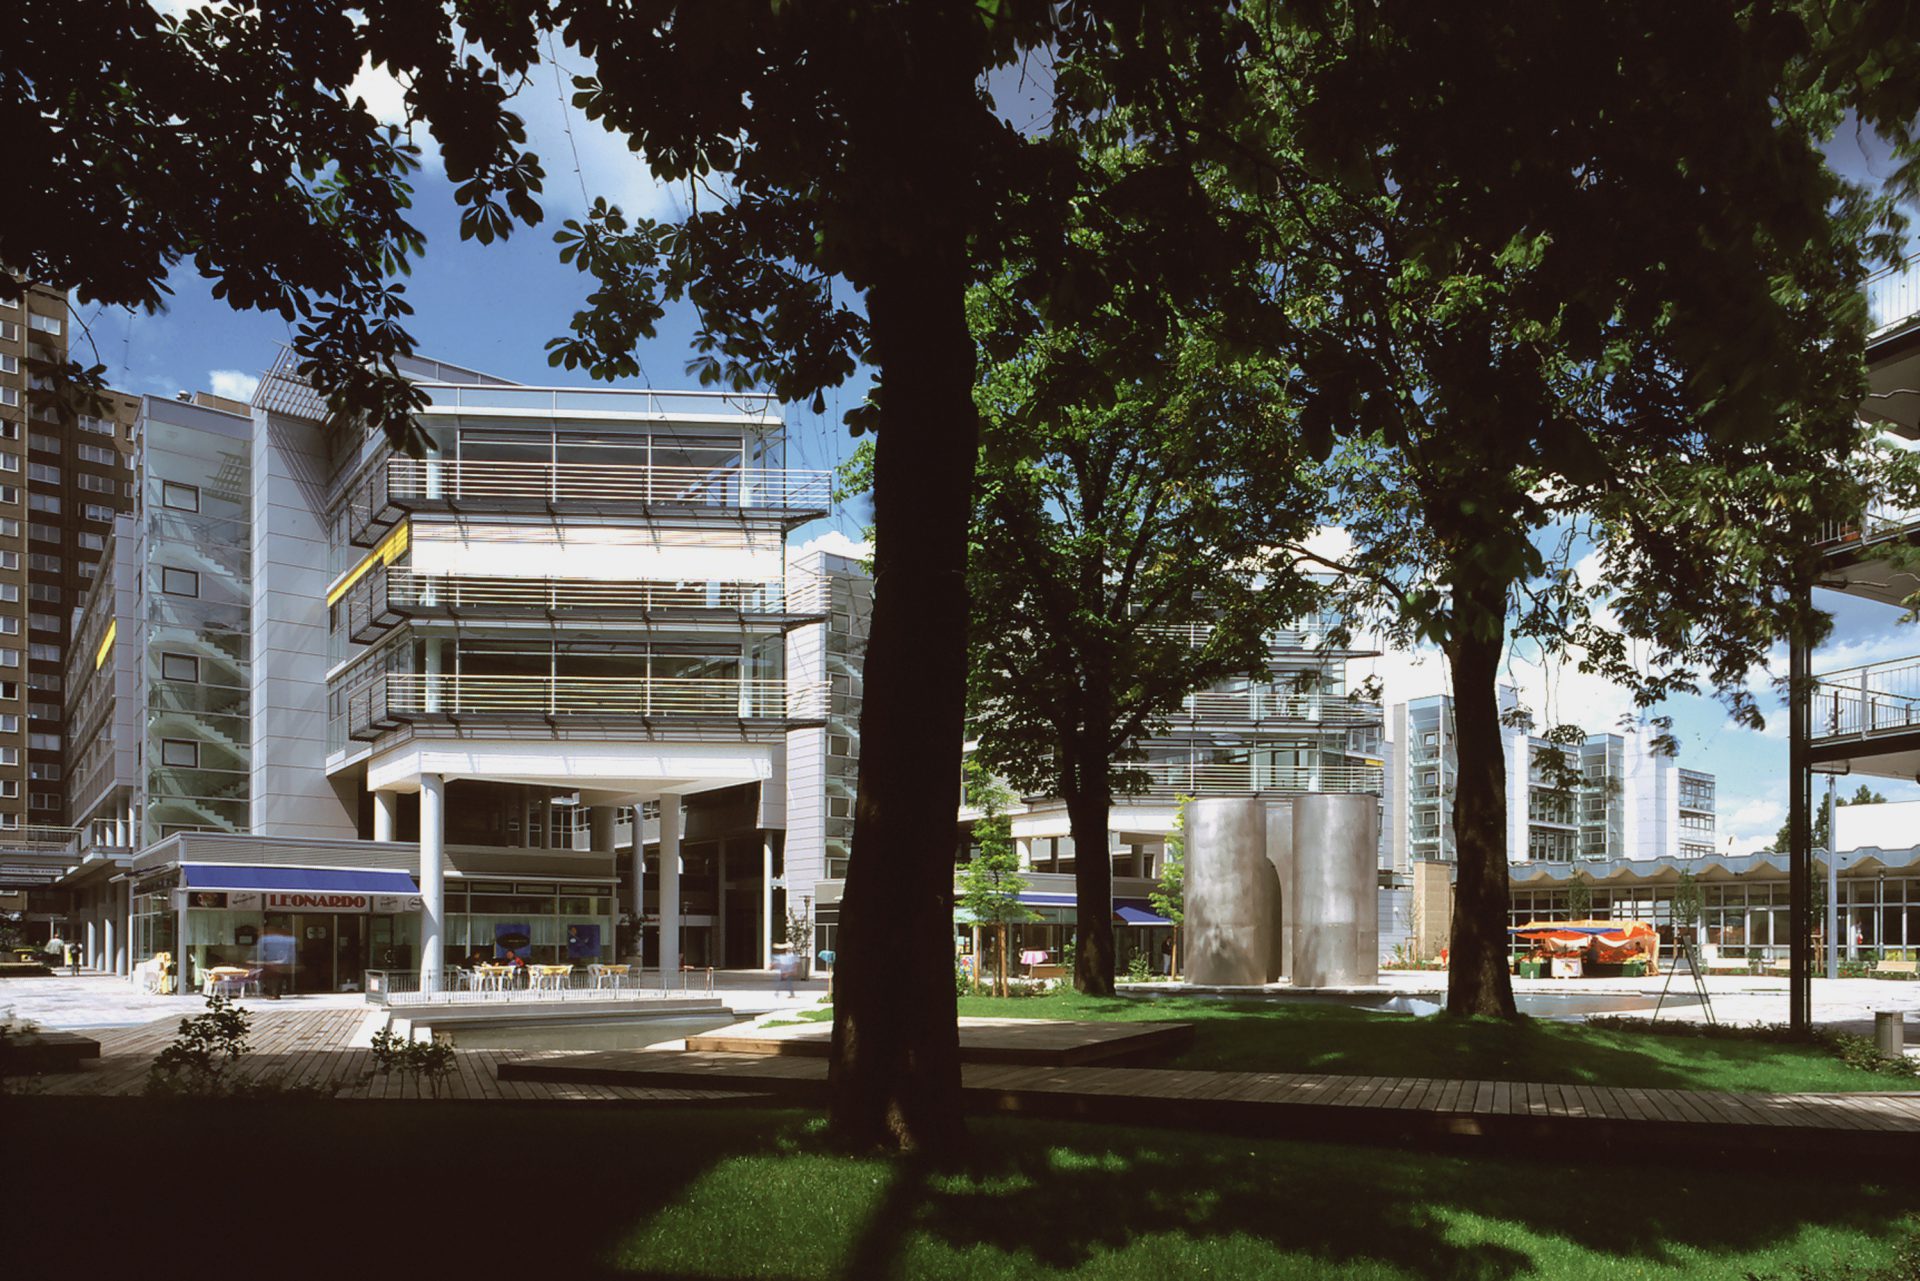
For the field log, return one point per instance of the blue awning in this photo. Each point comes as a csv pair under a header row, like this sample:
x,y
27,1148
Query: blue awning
x,y
1036,899
330,880
1139,916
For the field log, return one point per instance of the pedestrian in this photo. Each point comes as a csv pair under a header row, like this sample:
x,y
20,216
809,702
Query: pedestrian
x,y
73,959
785,966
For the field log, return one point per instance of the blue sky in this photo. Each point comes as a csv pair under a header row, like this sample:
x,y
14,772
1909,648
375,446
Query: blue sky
x,y
495,307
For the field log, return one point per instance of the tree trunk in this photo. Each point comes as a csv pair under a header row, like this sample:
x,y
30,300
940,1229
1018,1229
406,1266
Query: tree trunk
x,y
895,1070
1477,977
1089,806
1001,974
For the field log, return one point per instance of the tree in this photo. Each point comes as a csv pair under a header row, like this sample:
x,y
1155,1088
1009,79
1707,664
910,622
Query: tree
x,y
1782,840
1121,550
831,225
1169,896
990,881
1579,898
1595,360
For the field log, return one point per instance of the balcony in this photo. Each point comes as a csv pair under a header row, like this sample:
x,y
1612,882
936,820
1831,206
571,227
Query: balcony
x,y
1893,298
1878,701
392,699
1166,779
1266,707
1309,634
498,400
384,597
396,486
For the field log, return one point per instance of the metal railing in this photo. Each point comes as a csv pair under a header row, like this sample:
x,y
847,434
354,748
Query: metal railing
x,y
1267,705
461,986
760,407
1880,522
409,588
1193,778
1868,702
412,693
1302,633
1893,297
429,479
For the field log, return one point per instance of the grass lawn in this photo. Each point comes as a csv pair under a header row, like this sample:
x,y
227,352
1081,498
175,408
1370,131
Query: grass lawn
x,y
1265,1036
578,1190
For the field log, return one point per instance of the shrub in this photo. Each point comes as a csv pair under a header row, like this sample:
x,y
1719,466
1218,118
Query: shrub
x,y
428,1061
196,1061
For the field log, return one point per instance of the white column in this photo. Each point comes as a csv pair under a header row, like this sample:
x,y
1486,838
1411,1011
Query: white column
x,y
766,904
110,947
120,831
180,967
601,828
93,942
639,891
717,954
433,817
386,815
125,909
432,703
669,889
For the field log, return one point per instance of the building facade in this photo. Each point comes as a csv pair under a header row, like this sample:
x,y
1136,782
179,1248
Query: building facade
x,y
1611,796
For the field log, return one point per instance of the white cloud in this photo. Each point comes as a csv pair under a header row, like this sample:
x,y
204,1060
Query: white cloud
x,y
232,383
834,543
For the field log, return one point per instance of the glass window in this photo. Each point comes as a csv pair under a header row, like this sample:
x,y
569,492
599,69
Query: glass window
x,y
179,582
180,667
180,497
181,752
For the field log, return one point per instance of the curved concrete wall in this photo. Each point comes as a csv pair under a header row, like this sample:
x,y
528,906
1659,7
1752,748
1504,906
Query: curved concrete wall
x,y
1280,858
1229,892
1333,898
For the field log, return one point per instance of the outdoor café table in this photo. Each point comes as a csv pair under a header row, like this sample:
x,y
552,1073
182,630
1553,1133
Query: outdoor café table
x,y
607,975
218,977
491,976
548,976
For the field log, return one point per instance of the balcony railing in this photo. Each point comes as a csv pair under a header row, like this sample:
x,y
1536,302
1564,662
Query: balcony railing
x,y
409,589
1243,706
610,402
1893,297
1303,633
413,694
1868,702
422,479
1881,521
1190,778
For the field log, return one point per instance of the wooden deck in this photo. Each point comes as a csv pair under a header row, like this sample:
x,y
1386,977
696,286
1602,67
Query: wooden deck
x,y
1026,1042
1321,1105
313,1048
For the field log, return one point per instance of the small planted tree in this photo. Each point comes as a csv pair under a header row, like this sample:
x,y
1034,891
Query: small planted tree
x,y
990,881
1579,898
1169,897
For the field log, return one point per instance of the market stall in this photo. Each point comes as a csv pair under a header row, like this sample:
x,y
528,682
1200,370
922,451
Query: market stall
x,y
1567,949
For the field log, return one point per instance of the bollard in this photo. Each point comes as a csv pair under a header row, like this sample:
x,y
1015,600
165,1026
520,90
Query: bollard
x,y
1889,1032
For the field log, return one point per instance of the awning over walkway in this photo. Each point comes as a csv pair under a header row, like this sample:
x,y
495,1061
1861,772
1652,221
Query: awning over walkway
x,y
1133,913
310,880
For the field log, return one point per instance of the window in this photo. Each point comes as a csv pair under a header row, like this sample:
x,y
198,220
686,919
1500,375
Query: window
x,y
43,772
183,753
9,592
93,542
43,742
94,511
179,582
44,800
9,756
48,592
9,430
10,625
44,711
43,680
44,443
95,484
9,462
98,454
88,569
98,426
9,395
39,562
9,560
45,324
43,653
180,667
9,657
9,690
44,622
48,503
185,498
9,724
46,473
839,745
9,527
9,364
10,302
43,533
9,331
9,788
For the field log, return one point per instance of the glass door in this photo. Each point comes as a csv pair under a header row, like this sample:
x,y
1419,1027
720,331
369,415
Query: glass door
x,y
313,953
349,953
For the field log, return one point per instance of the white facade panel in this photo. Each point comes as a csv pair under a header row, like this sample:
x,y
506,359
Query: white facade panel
x,y
601,552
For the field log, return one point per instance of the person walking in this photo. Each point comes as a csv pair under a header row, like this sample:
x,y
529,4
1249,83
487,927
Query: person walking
x,y
73,959
785,966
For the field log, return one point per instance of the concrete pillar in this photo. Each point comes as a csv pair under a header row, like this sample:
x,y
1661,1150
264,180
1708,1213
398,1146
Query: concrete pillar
x,y
110,945
119,837
1229,910
602,828
766,903
91,957
386,815
1335,890
1280,856
718,954
180,967
639,888
126,934
433,838
669,889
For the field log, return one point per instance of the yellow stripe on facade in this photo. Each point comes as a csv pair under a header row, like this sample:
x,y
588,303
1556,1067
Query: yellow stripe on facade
x,y
391,548
106,644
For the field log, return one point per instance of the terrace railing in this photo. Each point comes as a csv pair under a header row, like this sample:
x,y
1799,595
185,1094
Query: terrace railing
x,y
1216,778
408,588
1868,702
1266,705
1893,297
412,694
411,480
